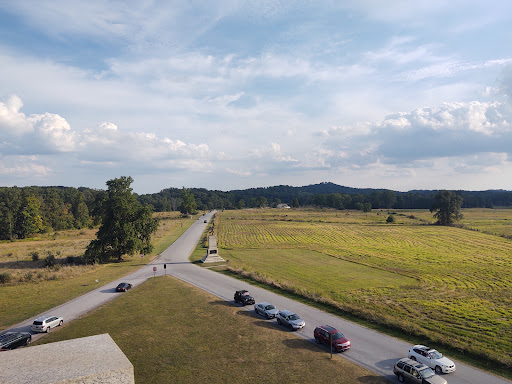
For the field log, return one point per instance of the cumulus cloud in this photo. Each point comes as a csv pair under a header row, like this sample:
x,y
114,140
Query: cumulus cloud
x,y
474,129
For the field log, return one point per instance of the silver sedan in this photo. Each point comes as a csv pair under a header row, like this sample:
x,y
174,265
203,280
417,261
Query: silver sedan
x,y
290,319
265,309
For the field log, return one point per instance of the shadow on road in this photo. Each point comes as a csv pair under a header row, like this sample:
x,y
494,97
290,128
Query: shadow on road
x,y
110,290
386,364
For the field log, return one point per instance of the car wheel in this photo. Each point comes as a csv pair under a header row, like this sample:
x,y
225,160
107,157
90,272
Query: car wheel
x,y
413,358
438,370
27,342
48,329
317,340
278,320
60,323
401,378
290,326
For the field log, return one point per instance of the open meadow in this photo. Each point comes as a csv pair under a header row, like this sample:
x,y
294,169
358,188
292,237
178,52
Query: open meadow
x,y
449,286
29,287
177,333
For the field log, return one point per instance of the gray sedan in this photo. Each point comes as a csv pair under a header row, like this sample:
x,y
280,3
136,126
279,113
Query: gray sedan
x,y
266,309
290,319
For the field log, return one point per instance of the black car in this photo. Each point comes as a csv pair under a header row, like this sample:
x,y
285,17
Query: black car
x,y
123,287
11,340
243,297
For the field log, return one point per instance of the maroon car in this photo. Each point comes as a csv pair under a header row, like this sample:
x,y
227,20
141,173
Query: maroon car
x,y
324,334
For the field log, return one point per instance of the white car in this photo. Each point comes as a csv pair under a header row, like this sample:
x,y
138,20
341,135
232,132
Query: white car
x,y
266,309
431,358
45,323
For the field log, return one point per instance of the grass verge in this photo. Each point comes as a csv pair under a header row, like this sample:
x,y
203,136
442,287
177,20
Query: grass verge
x,y
194,337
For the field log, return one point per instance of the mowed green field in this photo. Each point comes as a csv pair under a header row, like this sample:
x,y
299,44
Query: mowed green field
x,y
173,332
447,285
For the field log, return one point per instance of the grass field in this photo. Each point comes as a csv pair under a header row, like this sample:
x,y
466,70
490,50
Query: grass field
x,y
447,285
194,337
34,288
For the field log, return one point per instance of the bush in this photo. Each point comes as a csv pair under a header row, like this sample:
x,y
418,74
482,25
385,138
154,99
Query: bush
x,y
5,277
390,219
35,256
49,261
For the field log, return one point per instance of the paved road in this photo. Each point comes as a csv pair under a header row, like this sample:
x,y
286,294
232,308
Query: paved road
x,y
370,349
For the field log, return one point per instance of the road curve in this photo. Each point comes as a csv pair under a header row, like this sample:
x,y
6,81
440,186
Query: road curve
x,y
370,349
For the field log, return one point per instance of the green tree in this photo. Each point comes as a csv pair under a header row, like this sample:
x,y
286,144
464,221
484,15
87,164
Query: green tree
x,y
29,220
126,225
295,203
188,205
447,205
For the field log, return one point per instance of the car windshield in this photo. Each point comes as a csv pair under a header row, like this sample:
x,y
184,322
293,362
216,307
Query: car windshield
x,y
426,373
294,317
435,355
337,335
270,306
38,322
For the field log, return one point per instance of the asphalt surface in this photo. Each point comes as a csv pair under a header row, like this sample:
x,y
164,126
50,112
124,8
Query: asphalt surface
x,y
370,349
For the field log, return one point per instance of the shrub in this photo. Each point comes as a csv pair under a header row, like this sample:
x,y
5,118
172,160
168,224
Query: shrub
x,y
35,256
5,277
49,261
390,219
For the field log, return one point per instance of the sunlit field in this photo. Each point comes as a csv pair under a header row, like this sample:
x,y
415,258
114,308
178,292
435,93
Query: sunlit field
x,y
448,285
28,288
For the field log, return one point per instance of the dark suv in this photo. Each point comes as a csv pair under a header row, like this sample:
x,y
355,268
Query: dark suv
x,y
326,334
410,370
243,297
11,340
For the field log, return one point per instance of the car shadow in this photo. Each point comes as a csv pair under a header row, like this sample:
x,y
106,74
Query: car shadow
x,y
222,303
386,364
110,290
302,344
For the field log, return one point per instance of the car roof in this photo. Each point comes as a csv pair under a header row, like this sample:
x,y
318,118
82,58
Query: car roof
x,y
328,328
42,318
287,312
264,303
414,363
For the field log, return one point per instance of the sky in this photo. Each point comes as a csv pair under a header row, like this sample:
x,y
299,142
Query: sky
x,y
230,94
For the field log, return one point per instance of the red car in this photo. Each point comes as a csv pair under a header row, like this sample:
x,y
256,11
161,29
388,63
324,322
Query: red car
x,y
325,333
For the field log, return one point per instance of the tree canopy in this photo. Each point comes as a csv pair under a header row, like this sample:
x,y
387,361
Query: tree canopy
x,y
447,205
189,205
126,225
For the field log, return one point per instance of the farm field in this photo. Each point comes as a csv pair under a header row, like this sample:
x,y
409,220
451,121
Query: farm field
x,y
194,337
32,288
447,285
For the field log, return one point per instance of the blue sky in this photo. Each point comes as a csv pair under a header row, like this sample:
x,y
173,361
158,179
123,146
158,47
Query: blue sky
x,y
238,94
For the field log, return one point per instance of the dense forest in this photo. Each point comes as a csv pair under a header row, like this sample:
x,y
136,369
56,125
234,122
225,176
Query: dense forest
x,y
25,211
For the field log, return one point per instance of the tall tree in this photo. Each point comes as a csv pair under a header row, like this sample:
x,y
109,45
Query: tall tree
x,y
29,220
447,206
126,225
188,205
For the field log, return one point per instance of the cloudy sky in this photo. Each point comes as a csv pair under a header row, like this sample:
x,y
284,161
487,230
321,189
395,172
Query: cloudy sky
x,y
230,94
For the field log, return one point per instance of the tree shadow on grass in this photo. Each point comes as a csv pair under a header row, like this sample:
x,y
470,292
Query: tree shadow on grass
x,y
375,379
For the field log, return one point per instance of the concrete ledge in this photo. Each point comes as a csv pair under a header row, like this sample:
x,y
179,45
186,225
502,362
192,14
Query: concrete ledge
x,y
88,360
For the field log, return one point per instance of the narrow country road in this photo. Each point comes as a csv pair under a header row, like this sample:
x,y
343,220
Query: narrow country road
x,y
370,349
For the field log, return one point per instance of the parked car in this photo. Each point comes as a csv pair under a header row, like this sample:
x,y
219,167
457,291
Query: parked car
x,y
410,370
205,221
243,297
431,358
266,309
123,287
290,319
325,333
11,340
45,323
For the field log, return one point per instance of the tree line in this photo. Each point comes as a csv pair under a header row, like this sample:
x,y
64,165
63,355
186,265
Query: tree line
x,y
25,211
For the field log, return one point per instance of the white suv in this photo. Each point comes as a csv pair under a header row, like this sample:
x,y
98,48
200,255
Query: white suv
x,y
45,323
431,358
